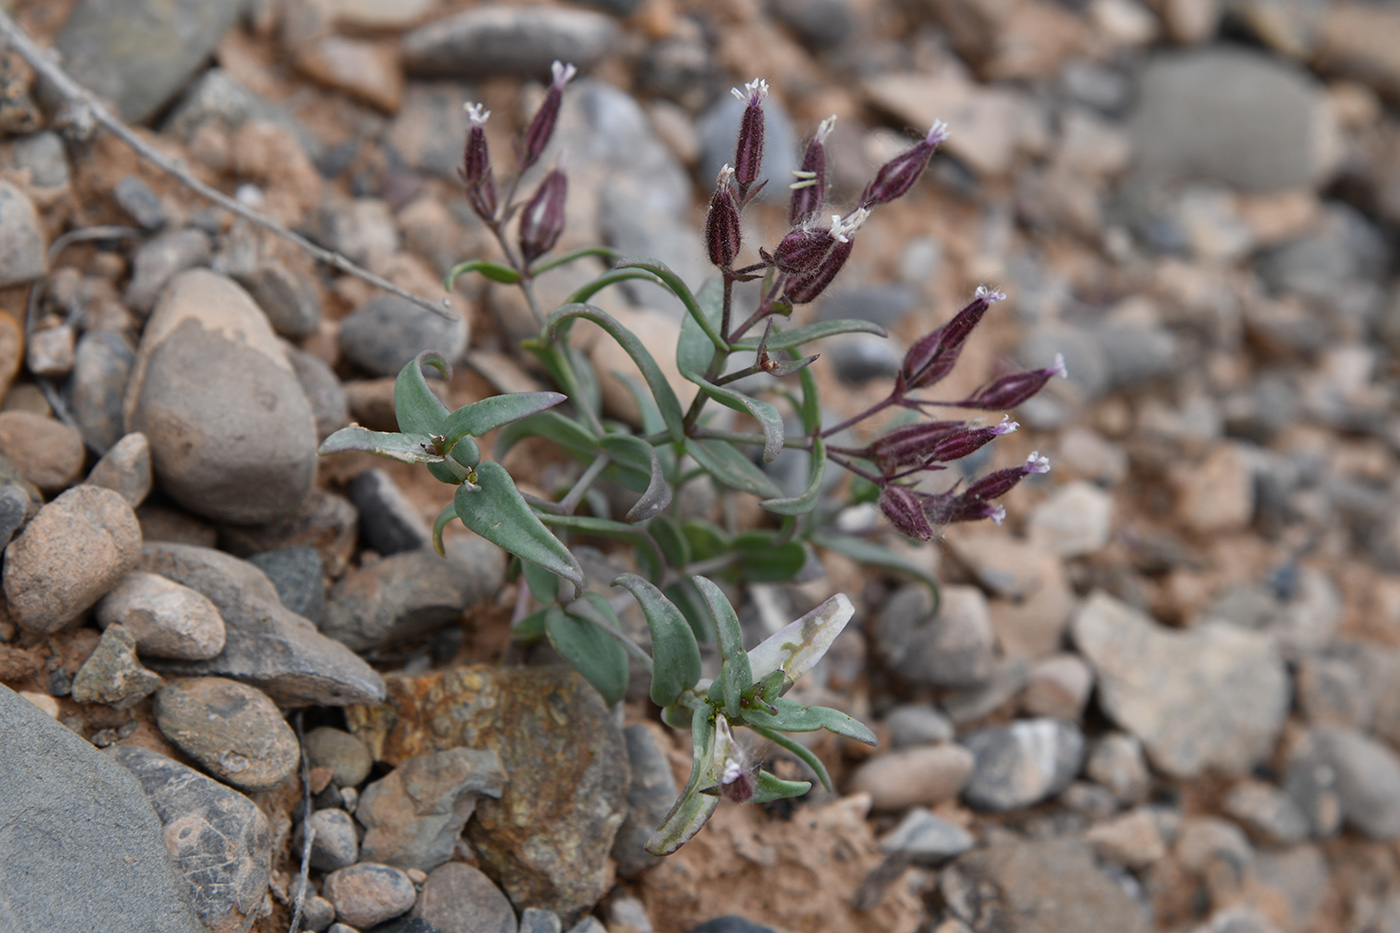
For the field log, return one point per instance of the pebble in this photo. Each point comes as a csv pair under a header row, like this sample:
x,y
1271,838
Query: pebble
x,y
1001,564
1268,813
1301,875
159,260
233,730
562,749
11,352
382,335
365,69
266,644
1367,780
367,894
47,452
380,15
925,775
953,649
207,342
70,554
329,407
102,365
1133,840
1271,131
1217,852
345,756
298,574
1035,626
326,521
50,351
14,511
42,158
651,791
458,898
1213,697
1330,691
125,468
1379,666
141,204
288,297
22,244
1059,687
217,838
111,675
1022,764
534,920
491,41
917,724
389,522
1074,521
1009,678
428,130
728,923
335,845
166,619
317,913
81,822
407,595
1022,885
1218,495
927,838
1116,761
413,817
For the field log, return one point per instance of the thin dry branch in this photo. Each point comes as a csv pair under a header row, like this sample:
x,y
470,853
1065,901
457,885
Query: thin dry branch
x,y
88,109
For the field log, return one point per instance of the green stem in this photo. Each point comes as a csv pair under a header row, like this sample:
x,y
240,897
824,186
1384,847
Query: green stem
x,y
878,406
581,487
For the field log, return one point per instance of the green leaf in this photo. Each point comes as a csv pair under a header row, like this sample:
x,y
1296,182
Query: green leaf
x,y
647,553
692,809
789,339
495,510
573,255
794,717
593,652
682,291
562,430
661,390
544,585
728,466
763,560
805,501
531,627
488,414
591,288
675,653
448,513
770,787
797,749
639,469
406,448
707,540
734,674
652,422
692,605
862,551
417,408
811,408
491,270
667,535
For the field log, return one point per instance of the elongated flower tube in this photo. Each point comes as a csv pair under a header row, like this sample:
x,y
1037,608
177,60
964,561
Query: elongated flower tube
x,y
476,165
541,128
748,153
995,485
960,444
905,510
909,444
809,190
898,175
1010,391
542,220
723,234
933,356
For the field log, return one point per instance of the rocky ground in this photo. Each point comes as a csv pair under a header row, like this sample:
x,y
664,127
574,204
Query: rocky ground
x,y
1165,695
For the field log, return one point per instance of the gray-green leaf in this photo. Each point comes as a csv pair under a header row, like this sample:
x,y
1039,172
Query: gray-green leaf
x,y
675,653
495,510
406,448
595,653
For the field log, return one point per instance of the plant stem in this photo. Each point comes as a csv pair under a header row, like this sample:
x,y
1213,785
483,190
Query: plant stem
x,y
877,407
848,465
576,494
631,647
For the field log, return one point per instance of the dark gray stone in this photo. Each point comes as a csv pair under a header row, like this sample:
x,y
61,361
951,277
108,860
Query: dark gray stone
x,y
112,675
953,649
102,366
731,923
820,25
1368,780
323,391
1324,265
681,68
288,298
1022,764
859,358
651,791
458,898
389,523
335,844
266,644
218,839
159,260
927,838
886,305
14,509
382,335
298,573
141,204
83,847
534,920
327,522
503,40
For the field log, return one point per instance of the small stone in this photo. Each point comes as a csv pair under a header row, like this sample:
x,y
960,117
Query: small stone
x,y
298,574
50,351
111,675
1059,687
970,704
503,40
47,452
729,923
324,394
125,468
953,649
217,838
231,729
327,522
159,260
382,335
928,839
335,844
141,204
1022,764
1219,494
345,755
651,791
22,243
166,619
1310,780
11,352
1217,852
364,69
534,920
1003,565
458,898
1035,626
71,554
1133,840
413,817
1269,814
927,775
367,894
1074,521
1116,761
101,370
317,913
389,523
14,510
1368,780
1332,692
288,298
380,15
43,158
918,724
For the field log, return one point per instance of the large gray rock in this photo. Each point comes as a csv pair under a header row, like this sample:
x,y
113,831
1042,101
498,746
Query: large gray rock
x,y
83,848
492,40
232,436
141,53
1368,780
265,643
1214,697
219,840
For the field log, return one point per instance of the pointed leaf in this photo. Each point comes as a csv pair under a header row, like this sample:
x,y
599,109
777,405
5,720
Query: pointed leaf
x,y
805,501
491,270
496,511
417,408
731,468
488,414
692,809
675,653
573,255
650,415
562,430
692,605
762,560
771,787
406,448
796,647
792,716
593,287
531,627
788,339
647,553
544,586
682,291
639,468
593,652
797,749
734,675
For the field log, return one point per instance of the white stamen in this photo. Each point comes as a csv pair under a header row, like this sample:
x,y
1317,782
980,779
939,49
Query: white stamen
x,y
997,514
938,133
825,127
990,295
1036,463
1059,366
732,770
841,229
477,113
562,73
753,92
1006,426
804,179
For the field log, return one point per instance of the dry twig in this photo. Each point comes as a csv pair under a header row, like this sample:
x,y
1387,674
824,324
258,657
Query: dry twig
x,y
88,110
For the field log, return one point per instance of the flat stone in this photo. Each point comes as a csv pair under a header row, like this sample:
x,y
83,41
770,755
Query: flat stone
x,y
69,556
326,522
207,342
413,817
125,468
22,245
111,675
502,40
233,730
928,839
102,367
380,15
50,351
547,838
266,644
1022,764
1213,697
918,724
166,619
651,791
80,822
47,452
458,898
382,335
218,839
1073,521
367,894
1059,687
953,649
1133,840
366,70
1267,812
925,775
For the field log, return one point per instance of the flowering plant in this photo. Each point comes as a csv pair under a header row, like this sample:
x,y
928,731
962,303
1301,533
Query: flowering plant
x,y
677,557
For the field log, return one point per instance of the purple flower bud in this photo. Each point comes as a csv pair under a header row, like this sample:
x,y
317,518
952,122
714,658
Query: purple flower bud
x,y
962,443
898,175
995,485
909,444
933,356
722,231
748,154
802,249
736,782
905,511
541,128
476,165
542,220
1010,391
809,190
803,287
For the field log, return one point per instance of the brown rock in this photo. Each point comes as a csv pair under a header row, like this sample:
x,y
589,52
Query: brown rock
x,y
927,776
47,452
112,675
233,730
166,619
363,69
11,351
126,468
1218,495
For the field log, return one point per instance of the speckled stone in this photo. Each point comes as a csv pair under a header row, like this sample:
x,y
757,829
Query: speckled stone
x,y
112,675
367,894
231,729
